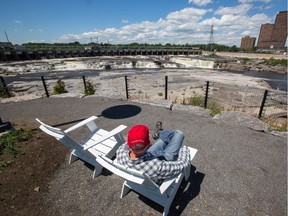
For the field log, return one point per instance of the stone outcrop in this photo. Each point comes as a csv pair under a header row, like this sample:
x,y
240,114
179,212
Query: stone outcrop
x,y
240,119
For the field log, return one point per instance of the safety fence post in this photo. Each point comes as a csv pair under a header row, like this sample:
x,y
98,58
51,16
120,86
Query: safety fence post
x,y
45,87
206,94
166,87
126,87
263,103
84,81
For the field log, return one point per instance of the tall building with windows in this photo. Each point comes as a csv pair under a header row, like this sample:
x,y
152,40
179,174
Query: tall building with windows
x,y
247,43
273,36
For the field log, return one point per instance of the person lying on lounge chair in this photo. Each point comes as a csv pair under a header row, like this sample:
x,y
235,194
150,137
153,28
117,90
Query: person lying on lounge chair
x,y
165,158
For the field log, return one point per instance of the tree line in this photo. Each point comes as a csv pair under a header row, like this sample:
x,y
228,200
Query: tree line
x,y
78,46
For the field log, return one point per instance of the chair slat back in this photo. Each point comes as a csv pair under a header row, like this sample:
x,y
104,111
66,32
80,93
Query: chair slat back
x,y
60,135
106,136
129,174
56,132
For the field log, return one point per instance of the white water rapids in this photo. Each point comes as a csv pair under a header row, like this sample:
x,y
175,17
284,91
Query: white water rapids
x,y
101,63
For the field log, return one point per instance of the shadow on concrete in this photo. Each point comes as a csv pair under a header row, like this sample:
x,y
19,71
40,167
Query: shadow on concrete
x,y
187,191
67,123
121,111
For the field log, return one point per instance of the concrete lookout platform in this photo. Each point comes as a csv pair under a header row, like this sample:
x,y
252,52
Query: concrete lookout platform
x,y
237,170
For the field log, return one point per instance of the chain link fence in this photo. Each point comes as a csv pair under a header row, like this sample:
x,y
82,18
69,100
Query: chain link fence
x,y
155,86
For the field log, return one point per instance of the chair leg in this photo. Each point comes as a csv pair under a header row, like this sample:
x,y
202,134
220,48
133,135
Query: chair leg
x,y
97,170
73,158
187,172
125,190
165,212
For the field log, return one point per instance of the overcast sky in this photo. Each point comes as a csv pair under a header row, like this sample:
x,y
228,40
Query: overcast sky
x,y
140,21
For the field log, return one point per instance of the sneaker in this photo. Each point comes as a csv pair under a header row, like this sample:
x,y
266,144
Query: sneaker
x,y
158,128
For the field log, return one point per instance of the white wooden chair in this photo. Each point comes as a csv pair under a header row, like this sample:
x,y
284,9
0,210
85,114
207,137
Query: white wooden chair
x,y
139,182
98,142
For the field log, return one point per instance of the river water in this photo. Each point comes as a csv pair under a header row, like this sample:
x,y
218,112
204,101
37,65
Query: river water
x,y
275,80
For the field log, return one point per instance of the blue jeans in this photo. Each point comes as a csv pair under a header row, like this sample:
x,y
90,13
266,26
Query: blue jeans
x,y
168,145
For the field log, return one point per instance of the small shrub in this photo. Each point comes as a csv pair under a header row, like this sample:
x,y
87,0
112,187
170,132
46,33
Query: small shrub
x,y
214,109
160,94
90,88
59,88
197,100
4,92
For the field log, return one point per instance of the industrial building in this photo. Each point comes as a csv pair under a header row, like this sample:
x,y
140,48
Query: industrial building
x,y
248,43
273,36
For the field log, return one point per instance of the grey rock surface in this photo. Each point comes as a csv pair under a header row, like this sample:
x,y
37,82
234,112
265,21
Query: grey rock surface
x,y
237,118
192,109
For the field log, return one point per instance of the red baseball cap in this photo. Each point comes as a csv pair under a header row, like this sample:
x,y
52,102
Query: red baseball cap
x,y
138,138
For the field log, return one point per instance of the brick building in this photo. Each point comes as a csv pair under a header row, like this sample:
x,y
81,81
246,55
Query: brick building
x,y
247,43
273,36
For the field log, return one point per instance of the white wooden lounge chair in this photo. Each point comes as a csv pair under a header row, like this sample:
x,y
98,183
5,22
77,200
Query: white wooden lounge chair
x,y
139,182
98,142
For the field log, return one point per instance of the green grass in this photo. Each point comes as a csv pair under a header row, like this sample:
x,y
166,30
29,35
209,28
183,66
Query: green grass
x,y
274,125
275,62
8,145
198,100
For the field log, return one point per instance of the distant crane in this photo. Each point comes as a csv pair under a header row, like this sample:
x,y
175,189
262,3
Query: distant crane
x,y
7,37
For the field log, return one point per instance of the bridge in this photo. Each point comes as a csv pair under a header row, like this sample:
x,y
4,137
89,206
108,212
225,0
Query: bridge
x,y
51,54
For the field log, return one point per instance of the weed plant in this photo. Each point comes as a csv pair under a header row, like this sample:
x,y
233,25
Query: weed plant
x,y
59,88
214,109
89,88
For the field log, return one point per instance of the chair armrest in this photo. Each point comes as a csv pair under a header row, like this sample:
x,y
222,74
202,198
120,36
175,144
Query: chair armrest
x,y
168,182
80,124
105,137
193,152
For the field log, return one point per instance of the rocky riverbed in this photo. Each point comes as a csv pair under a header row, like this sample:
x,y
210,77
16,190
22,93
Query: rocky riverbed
x,y
187,75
